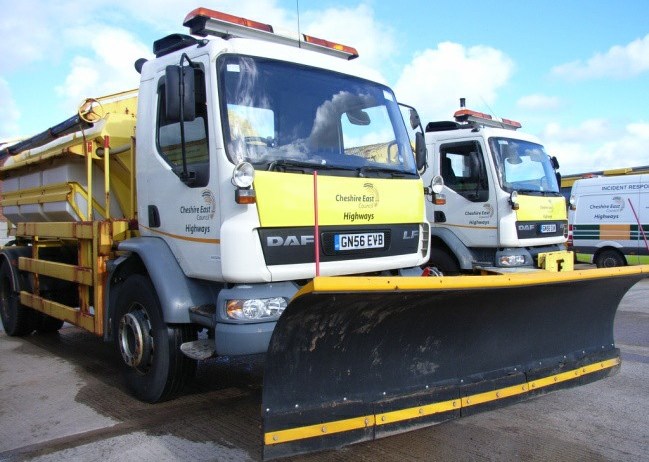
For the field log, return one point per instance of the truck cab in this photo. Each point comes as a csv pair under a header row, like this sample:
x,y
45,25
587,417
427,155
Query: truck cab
x,y
494,199
263,161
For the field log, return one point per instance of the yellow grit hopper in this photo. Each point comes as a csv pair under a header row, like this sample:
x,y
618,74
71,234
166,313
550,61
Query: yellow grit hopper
x,y
85,159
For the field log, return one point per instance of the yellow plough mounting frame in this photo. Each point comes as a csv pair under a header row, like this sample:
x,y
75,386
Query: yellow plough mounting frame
x,y
354,359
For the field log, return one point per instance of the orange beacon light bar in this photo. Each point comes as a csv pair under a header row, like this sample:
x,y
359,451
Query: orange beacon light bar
x,y
204,21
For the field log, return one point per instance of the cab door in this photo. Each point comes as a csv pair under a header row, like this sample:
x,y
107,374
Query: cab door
x,y
468,211
178,198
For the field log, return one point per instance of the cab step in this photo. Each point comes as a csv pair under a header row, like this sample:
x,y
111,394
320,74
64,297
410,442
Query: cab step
x,y
199,349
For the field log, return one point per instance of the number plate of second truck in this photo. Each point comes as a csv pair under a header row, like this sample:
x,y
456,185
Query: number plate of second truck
x,y
549,228
359,241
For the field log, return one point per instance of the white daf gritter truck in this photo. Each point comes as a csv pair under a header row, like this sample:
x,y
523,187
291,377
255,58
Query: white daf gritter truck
x,y
259,194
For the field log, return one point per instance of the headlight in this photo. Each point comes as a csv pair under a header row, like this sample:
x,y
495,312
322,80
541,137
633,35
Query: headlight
x,y
511,260
243,175
437,184
256,308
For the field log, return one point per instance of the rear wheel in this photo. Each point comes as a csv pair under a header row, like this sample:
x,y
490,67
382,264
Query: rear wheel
x,y
17,319
610,258
47,324
156,369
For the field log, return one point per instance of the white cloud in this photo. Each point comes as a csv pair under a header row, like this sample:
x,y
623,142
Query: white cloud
x,y
587,131
356,27
104,54
436,79
618,62
31,30
578,152
169,14
265,11
571,156
82,81
628,151
538,102
9,114
101,50
21,43
106,67
640,129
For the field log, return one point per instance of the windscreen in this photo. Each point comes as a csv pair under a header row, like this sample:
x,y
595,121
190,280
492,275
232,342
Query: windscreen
x,y
276,114
523,166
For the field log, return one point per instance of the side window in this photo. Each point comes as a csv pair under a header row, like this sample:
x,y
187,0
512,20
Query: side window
x,y
463,170
196,147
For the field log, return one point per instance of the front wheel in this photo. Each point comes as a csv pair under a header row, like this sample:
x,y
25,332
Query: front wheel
x,y
444,262
156,369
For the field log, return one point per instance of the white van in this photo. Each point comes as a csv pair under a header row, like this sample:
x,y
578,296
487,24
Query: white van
x,y
609,220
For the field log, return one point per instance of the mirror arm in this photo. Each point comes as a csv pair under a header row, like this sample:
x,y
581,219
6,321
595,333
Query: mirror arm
x,y
186,176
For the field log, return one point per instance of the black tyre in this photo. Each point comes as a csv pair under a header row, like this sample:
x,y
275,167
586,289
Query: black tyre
x,y
17,319
609,258
47,324
443,262
156,369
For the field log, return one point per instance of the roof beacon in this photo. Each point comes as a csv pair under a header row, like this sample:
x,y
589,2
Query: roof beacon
x,y
203,21
479,118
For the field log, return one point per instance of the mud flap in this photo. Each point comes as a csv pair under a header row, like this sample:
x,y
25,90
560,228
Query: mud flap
x,y
354,359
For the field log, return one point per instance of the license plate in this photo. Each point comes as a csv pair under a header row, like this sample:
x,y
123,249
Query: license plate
x,y
359,241
549,228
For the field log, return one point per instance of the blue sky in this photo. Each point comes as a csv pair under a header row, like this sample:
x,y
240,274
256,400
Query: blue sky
x,y
574,73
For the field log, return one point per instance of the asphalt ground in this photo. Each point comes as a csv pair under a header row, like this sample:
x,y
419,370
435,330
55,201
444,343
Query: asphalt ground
x,y
62,398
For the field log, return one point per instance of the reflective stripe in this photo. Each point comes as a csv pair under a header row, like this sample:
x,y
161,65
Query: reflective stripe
x,y
182,238
284,436
338,426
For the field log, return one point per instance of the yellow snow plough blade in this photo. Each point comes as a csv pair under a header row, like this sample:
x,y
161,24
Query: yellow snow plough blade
x,y
354,359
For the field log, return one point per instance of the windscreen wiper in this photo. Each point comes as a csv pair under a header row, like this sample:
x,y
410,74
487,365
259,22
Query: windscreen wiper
x,y
538,192
293,164
363,171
